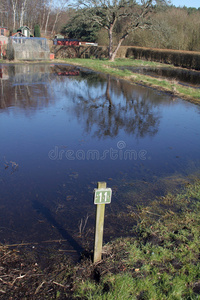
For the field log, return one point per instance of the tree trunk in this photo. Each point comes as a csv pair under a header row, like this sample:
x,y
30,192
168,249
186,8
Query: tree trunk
x,y
114,53
14,19
22,13
47,20
110,48
43,18
112,58
14,7
56,19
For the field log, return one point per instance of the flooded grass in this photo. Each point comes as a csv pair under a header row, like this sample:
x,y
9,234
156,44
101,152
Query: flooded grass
x,y
106,66
159,260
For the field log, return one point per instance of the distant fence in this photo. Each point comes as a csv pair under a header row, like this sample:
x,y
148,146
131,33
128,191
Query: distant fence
x,y
25,48
184,59
80,51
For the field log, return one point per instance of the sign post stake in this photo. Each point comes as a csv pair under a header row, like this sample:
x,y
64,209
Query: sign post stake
x,y
102,196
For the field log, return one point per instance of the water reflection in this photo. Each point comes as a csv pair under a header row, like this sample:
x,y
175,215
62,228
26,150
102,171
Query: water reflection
x,y
21,84
135,114
61,70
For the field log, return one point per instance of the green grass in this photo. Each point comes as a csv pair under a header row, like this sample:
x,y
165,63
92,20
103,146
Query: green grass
x,y
162,261
105,66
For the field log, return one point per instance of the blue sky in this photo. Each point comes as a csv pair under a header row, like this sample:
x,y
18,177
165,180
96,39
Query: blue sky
x,y
187,3
181,3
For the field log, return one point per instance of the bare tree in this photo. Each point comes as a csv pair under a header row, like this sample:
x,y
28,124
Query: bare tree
x,y
20,12
106,13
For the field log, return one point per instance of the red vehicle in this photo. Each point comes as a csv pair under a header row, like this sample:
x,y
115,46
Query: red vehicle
x,y
66,42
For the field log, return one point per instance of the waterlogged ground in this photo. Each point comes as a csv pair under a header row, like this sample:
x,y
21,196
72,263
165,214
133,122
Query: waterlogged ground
x,y
63,129
185,77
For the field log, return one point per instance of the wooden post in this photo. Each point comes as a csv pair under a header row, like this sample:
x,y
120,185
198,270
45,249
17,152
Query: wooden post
x,y
100,211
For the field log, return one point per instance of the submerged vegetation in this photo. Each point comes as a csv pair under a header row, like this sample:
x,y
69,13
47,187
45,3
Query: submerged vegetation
x,y
171,86
159,260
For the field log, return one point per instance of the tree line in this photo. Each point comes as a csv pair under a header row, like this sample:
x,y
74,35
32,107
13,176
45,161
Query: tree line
x,y
147,23
50,15
168,27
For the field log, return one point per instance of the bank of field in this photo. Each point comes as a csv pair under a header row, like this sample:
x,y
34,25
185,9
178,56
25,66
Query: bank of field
x,y
159,260
166,85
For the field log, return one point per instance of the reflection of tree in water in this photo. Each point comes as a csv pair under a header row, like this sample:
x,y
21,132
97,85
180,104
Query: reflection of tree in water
x,y
118,107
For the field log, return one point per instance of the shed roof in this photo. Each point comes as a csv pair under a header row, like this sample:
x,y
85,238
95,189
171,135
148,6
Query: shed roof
x,y
24,26
18,33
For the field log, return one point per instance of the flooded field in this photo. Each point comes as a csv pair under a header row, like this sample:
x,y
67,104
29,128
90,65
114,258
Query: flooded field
x,y
63,129
182,76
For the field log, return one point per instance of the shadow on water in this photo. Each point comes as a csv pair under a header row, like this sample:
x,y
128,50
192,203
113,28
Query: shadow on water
x,y
40,208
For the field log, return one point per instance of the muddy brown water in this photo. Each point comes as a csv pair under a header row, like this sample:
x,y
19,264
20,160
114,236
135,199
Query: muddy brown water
x,y
63,129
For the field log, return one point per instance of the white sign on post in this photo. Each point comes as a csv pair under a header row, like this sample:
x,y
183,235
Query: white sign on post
x,y
102,196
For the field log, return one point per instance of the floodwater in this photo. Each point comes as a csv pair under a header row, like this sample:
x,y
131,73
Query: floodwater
x,y
182,76
63,129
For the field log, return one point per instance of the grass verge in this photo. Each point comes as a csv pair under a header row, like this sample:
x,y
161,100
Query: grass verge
x,y
105,66
160,260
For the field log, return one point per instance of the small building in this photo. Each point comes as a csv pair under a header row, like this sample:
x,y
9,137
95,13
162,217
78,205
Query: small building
x,y
25,30
4,31
18,34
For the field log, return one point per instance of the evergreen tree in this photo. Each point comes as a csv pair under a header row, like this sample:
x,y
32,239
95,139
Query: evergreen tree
x,y
37,31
